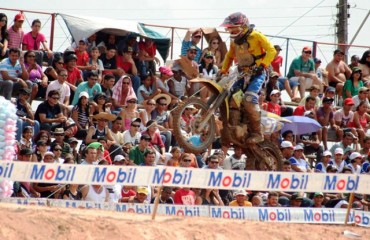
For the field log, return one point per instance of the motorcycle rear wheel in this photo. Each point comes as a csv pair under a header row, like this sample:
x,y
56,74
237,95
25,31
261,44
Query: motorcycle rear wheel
x,y
178,132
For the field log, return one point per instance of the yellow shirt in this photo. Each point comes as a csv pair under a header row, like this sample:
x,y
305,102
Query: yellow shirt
x,y
235,204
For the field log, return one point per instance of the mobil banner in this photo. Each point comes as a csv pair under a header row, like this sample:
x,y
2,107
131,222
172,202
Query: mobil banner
x,y
182,210
360,218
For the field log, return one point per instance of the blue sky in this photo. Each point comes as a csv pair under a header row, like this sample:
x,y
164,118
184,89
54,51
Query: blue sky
x,y
304,19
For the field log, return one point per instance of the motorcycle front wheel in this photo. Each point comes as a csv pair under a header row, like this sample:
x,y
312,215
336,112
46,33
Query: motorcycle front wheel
x,y
189,134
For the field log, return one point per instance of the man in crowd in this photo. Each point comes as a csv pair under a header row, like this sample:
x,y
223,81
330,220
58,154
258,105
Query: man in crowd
x,y
192,38
237,161
287,149
91,156
59,139
272,200
133,134
16,33
91,86
241,199
308,106
136,154
63,88
325,116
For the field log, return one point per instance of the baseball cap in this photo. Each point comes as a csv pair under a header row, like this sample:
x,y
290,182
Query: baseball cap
x,y
95,145
136,120
354,155
208,54
318,194
143,190
83,94
166,70
274,74
338,51
327,153
19,17
356,69
25,151
298,147
119,158
330,89
48,153
338,151
72,139
286,144
192,47
241,192
296,196
275,91
348,101
84,40
307,48
363,89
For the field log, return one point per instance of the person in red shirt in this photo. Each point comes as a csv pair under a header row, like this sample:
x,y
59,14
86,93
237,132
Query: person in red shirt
x,y
126,193
83,56
184,196
273,106
147,51
127,64
74,74
308,106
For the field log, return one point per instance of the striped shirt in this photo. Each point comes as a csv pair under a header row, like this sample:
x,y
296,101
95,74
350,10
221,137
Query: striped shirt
x,y
13,71
15,38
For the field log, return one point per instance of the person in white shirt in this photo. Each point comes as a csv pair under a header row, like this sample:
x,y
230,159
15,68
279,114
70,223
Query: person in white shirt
x,y
355,164
133,135
63,88
237,161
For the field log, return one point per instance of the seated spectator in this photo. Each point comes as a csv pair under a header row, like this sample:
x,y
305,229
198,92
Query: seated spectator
x,y
72,192
149,159
56,149
36,75
299,164
318,199
96,65
175,159
110,41
103,153
156,141
91,86
4,35
52,71
116,131
122,90
147,58
40,149
147,91
137,152
187,118
42,135
100,128
127,64
365,66
178,84
272,85
207,70
345,144
214,44
360,120
365,150
286,149
363,95
321,73
13,74
314,92
59,136
192,39
49,113
296,200
272,200
353,84
355,164
33,41
338,72
132,134
76,156
165,197
74,74
107,86
322,166
343,116
190,67
91,154
142,194
129,112
162,83
26,138
16,33
80,115
25,113
302,70
241,199
211,197
273,105
63,87
109,62
184,196
325,116
308,106
99,104
95,193
146,113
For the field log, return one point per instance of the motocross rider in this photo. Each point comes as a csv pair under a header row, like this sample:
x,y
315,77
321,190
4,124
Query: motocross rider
x,y
254,53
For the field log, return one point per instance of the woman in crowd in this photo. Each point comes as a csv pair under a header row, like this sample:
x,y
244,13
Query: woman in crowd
x,y
211,197
353,84
39,153
43,135
360,120
4,37
100,104
129,112
365,67
176,157
208,70
161,82
145,114
56,149
156,139
299,164
147,91
121,92
80,115
52,71
26,140
36,75
213,47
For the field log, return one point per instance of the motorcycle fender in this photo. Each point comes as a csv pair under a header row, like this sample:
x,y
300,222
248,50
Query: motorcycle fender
x,y
210,84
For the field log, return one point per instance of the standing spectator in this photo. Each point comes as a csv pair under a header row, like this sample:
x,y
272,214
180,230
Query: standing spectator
x,y
338,71
63,88
12,73
190,67
214,49
191,39
34,39
338,161
353,84
299,164
363,94
325,116
91,86
16,33
241,199
365,66
302,70
4,35
122,91
49,113
321,166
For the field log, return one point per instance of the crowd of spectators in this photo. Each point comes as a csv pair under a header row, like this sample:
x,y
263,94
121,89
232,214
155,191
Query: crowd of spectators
x,y
104,103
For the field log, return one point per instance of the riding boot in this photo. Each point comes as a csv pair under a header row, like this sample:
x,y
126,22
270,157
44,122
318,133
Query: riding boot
x,y
254,116
234,117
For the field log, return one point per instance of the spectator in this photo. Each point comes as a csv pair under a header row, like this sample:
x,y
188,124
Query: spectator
x,y
308,106
80,115
165,197
360,120
321,166
146,91
272,200
49,113
161,116
121,92
314,92
57,150
4,35
63,88
15,32
73,142
129,113
343,116
116,131
156,141
91,156
109,62
83,57
363,94
96,65
132,134
296,200
137,152
178,84
355,59
25,113
34,39
237,161
146,113
92,87
72,192
184,196
101,128
365,151
214,49
186,160
13,73
299,164
26,140
353,84
345,144
190,67
111,41
338,161
175,159
302,70
355,164
141,196
127,64
35,73
59,139
130,41
287,166
321,73
162,82
107,86
286,149
52,71
241,199
103,153
99,104
95,193
338,72
147,59
207,70
40,150
273,105
212,162
365,66
74,74
119,160
318,199
191,39
325,116
149,159
211,197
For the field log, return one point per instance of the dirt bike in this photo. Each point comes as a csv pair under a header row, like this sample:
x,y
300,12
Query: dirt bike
x,y
202,126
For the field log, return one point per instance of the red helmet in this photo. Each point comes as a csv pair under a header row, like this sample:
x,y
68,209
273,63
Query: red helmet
x,y
235,20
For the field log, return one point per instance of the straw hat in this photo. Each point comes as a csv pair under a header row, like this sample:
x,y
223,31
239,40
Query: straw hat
x,y
105,115
161,95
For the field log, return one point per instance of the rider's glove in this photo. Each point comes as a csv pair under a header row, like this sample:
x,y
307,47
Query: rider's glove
x,y
259,70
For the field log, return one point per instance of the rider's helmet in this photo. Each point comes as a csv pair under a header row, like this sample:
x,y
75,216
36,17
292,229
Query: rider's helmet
x,y
237,24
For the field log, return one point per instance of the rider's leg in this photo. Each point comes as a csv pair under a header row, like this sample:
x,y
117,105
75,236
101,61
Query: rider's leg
x,y
252,109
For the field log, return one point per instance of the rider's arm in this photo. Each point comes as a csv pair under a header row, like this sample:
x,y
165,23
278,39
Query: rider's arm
x,y
268,47
229,58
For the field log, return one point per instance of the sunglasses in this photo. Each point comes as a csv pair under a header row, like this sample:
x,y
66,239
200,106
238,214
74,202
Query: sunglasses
x,y
55,98
209,57
145,139
134,125
64,75
151,104
162,104
3,20
126,83
197,37
186,160
131,101
308,52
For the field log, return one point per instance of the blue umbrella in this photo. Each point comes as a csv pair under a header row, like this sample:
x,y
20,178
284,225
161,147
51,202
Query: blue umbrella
x,y
301,125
